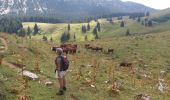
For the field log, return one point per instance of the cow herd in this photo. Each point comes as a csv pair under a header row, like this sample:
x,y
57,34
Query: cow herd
x,y
98,48
67,48
72,48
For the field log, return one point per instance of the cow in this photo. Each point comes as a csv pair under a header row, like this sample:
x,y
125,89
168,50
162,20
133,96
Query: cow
x,y
97,49
110,50
126,64
87,46
54,48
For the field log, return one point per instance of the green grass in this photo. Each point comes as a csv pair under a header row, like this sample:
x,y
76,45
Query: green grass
x,y
148,50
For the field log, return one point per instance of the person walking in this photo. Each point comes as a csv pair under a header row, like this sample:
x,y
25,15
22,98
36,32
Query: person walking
x,y
62,65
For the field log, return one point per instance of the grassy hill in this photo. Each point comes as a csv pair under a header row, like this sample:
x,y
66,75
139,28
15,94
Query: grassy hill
x,y
147,48
161,13
161,16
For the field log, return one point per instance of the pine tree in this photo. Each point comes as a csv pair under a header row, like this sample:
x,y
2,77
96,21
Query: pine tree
x,y
84,30
65,37
98,26
127,32
68,27
74,36
22,32
85,38
29,31
139,19
88,27
96,36
150,23
122,24
45,38
95,31
51,39
36,29
68,36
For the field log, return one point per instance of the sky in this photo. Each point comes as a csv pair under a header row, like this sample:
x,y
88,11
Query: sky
x,y
157,4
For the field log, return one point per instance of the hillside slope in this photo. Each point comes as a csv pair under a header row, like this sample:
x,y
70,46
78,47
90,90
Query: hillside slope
x,y
89,73
161,16
160,13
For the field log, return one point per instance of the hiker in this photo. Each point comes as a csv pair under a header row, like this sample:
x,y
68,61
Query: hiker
x,y
61,66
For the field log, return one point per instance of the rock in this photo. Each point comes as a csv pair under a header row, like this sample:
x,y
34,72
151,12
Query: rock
x,y
29,75
142,97
89,65
161,87
93,86
48,83
108,81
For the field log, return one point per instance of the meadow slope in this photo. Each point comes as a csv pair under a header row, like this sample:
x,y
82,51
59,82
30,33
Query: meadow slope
x,y
87,78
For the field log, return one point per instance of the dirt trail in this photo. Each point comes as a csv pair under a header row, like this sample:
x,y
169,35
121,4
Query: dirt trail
x,y
4,42
5,45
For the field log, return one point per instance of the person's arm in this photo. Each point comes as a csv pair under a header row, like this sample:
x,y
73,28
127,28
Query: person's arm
x,y
58,64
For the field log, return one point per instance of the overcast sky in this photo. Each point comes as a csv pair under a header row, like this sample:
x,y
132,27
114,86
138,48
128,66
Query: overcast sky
x,y
158,4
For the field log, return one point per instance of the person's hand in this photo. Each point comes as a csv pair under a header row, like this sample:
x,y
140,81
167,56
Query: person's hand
x,y
56,70
58,74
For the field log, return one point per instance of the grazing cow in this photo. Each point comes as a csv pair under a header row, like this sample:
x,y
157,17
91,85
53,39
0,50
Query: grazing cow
x,y
97,49
125,64
110,50
87,46
75,46
54,48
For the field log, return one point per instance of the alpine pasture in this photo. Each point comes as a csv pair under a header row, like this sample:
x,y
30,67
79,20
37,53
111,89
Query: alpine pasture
x,y
92,75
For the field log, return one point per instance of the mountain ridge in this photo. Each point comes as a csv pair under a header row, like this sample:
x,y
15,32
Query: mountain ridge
x,y
69,8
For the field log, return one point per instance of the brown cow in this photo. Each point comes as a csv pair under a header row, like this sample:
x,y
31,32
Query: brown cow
x,y
54,48
110,50
87,46
97,49
126,64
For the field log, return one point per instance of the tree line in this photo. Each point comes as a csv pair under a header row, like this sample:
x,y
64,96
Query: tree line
x,y
14,26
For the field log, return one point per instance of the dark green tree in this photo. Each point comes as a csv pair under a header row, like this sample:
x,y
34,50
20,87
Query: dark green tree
x,y
51,39
22,32
150,23
68,27
96,36
88,27
45,38
98,26
74,36
36,29
29,31
95,31
119,18
65,37
139,19
10,25
122,24
85,38
84,30
127,32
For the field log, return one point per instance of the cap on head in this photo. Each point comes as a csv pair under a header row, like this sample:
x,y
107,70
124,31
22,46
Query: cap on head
x,y
59,51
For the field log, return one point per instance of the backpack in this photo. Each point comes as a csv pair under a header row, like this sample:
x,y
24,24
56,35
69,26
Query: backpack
x,y
64,63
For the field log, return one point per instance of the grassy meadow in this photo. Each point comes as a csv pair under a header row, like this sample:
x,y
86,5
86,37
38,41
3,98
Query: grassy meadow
x,y
91,74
